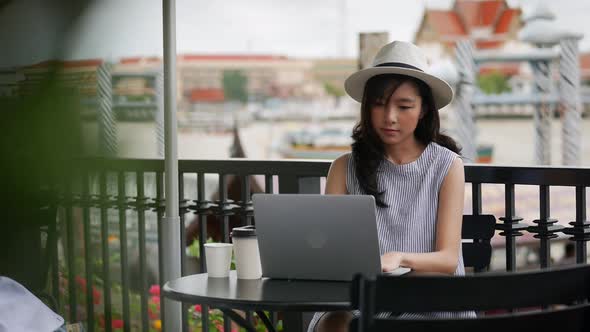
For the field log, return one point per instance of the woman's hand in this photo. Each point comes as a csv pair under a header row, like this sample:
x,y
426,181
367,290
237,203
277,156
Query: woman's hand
x,y
391,261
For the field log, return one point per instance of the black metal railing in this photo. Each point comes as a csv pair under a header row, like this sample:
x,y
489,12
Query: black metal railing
x,y
131,192
545,228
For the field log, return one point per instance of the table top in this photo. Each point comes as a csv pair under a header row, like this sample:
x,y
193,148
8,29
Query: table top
x,y
260,294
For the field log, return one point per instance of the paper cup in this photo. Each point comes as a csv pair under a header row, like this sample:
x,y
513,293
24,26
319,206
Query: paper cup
x,y
246,252
218,257
247,258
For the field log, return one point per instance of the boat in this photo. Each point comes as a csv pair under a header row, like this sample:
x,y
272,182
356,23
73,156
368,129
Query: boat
x,y
315,143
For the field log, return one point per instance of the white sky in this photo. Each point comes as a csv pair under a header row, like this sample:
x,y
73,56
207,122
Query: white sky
x,y
299,28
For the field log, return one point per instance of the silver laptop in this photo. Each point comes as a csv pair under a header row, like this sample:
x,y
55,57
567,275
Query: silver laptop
x,y
317,237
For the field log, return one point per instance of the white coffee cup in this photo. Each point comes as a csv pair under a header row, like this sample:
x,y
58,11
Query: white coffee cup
x,y
246,251
218,258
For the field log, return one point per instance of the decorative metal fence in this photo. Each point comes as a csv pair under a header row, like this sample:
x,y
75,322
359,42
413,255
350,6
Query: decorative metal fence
x,y
109,211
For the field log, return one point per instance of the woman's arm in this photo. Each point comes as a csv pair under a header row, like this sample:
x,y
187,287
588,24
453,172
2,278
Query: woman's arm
x,y
448,230
336,181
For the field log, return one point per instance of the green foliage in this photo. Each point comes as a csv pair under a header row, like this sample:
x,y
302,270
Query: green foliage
x,y
333,90
194,249
493,83
234,86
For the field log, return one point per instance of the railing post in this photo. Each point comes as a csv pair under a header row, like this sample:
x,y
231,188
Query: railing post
x,y
182,210
68,202
247,209
104,204
288,184
510,227
225,210
580,229
85,201
203,206
140,205
476,198
545,228
122,207
160,206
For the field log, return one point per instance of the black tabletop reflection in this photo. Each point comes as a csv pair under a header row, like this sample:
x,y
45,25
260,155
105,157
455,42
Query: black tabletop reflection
x,y
260,294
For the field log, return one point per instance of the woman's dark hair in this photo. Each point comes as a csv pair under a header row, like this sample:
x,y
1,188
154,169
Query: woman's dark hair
x,y
368,150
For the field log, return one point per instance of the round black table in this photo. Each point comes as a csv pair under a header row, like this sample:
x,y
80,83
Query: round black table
x,y
259,294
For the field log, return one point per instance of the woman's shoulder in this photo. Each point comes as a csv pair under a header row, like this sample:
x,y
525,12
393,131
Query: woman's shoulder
x,y
341,162
440,149
337,175
446,158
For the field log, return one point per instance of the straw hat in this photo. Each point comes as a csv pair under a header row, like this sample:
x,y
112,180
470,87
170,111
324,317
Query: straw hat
x,y
402,58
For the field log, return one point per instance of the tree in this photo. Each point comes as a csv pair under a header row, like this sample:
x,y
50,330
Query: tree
x,y
234,85
493,83
333,90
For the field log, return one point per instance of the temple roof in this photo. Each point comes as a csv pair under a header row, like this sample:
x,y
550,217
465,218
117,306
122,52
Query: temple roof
x,y
488,22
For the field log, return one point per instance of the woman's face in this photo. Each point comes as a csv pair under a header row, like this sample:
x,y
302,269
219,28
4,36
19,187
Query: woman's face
x,y
396,118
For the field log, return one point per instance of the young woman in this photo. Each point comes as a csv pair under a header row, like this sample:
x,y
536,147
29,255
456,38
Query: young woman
x,y
400,157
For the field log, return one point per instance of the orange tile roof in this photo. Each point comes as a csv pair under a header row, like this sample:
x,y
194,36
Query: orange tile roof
x,y
138,59
445,22
206,95
479,13
505,19
585,65
467,15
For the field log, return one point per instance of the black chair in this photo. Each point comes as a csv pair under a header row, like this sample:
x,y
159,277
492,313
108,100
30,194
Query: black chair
x,y
537,292
479,230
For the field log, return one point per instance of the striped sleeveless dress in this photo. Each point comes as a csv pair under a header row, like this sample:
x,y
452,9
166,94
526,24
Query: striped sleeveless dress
x,y
408,224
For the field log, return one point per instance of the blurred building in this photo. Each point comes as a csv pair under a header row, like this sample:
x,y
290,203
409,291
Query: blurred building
x,y
585,68
491,24
201,77
333,71
369,44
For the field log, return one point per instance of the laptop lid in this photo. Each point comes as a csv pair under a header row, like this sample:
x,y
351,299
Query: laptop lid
x,y
316,237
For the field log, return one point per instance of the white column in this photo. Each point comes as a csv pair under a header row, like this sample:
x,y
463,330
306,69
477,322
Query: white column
x,y
542,115
569,97
465,122
159,116
107,125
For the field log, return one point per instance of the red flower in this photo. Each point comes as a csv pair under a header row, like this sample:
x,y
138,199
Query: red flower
x,y
219,327
152,315
156,300
198,308
95,296
153,311
155,290
117,323
80,281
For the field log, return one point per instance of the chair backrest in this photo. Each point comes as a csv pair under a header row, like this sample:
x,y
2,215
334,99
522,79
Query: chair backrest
x,y
575,318
506,290
480,230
